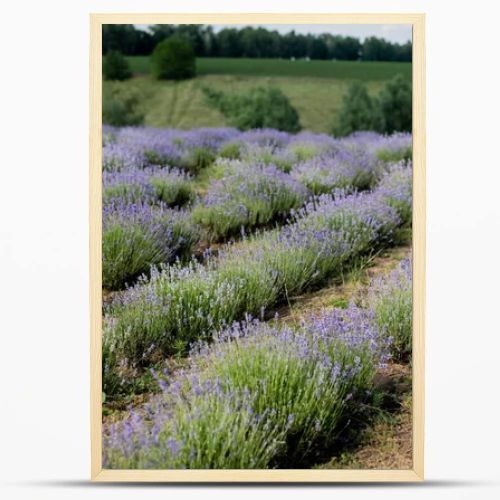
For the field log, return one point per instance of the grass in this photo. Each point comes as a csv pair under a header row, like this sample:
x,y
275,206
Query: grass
x,y
386,442
338,292
314,88
340,70
182,104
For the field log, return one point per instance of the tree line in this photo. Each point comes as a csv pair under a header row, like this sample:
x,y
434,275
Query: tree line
x,y
253,43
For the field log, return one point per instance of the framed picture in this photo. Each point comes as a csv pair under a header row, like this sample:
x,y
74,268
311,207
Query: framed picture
x,y
257,247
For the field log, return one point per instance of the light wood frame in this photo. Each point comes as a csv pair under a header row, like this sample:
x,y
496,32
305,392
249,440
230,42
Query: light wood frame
x,y
206,476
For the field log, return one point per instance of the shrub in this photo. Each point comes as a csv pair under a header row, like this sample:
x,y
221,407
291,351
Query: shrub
x,y
247,196
231,150
137,236
359,111
390,112
261,396
197,158
171,187
391,299
395,101
173,59
261,107
347,169
121,105
115,66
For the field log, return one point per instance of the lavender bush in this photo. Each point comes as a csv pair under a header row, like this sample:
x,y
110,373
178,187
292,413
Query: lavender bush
x,y
140,147
247,196
183,304
171,187
193,150
386,148
346,169
259,396
137,236
391,299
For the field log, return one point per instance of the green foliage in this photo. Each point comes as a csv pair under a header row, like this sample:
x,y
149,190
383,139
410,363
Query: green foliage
x,y
261,107
394,155
359,112
173,59
121,105
115,66
391,111
378,49
395,105
197,159
172,193
127,39
231,151
340,303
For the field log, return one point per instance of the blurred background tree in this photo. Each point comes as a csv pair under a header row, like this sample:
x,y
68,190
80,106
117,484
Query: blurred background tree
x,y
359,111
115,66
260,107
121,105
252,42
395,103
174,59
390,111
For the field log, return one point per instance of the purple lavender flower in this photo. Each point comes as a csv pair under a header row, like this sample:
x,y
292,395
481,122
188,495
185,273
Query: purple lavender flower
x,y
248,196
171,187
138,236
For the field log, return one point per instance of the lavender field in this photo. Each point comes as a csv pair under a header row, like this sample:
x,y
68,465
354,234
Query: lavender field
x,y
210,238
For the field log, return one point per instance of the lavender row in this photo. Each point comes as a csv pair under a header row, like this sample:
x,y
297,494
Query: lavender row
x,y
171,187
250,194
391,299
247,196
180,305
137,236
263,395
257,190
193,150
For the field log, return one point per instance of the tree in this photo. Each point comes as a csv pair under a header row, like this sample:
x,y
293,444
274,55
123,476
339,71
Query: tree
x,y
390,112
174,59
261,107
395,101
115,66
344,48
229,43
121,105
126,39
358,112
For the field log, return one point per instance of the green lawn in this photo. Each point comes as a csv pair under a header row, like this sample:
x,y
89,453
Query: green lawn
x,y
341,70
314,88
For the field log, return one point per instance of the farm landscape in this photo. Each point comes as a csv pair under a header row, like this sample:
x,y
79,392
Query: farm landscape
x,y
257,282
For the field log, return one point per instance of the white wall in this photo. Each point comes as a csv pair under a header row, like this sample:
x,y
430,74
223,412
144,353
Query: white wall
x,y
44,444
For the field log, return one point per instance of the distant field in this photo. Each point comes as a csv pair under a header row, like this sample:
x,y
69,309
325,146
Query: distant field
x,y
314,88
341,70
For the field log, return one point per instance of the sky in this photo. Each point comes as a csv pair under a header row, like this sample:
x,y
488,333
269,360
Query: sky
x,y
399,33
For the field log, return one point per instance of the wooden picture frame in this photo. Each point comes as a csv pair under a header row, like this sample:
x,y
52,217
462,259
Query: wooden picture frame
x,y
417,472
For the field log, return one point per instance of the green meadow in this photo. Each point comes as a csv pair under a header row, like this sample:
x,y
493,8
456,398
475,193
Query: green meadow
x,y
315,88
